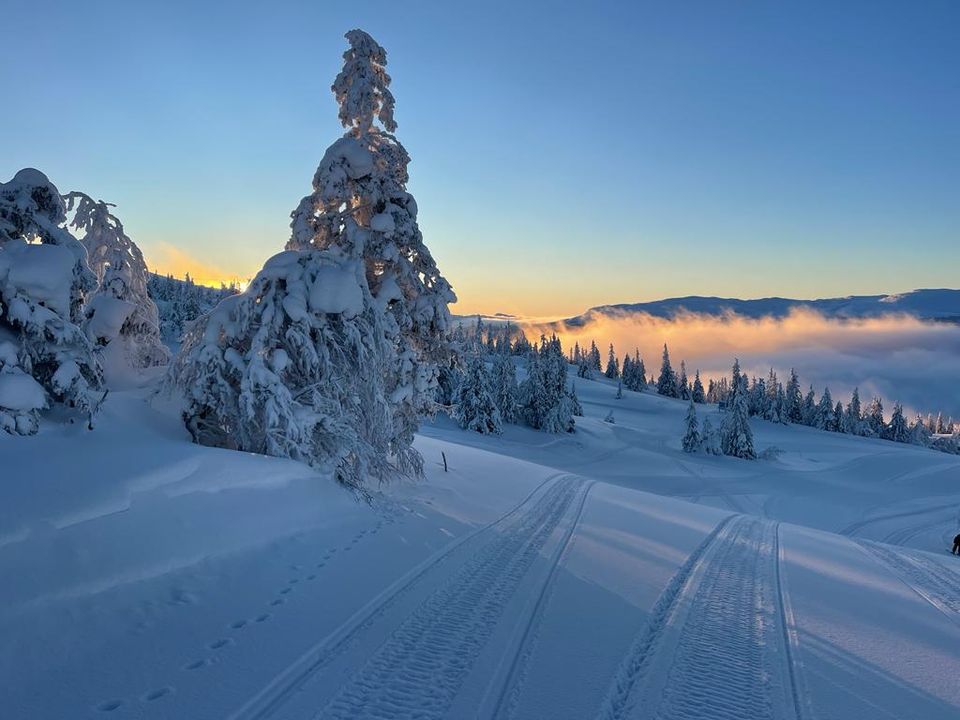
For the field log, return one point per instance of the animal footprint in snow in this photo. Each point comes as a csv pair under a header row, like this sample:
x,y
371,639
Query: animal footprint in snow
x,y
238,624
157,694
263,618
278,601
285,591
109,705
221,643
195,665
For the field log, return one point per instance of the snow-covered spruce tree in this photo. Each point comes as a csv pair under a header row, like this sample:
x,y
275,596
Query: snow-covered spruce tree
x,y
619,389
613,365
683,384
544,396
794,398
709,440
298,365
873,423
505,388
809,408
474,406
853,417
736,437
697,394
667,382
919,432
692,439
823,413
331,353
360,206
45,356
575,407
121,313
898,430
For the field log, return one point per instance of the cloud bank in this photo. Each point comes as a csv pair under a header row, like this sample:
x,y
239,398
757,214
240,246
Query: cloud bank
x,y
897,357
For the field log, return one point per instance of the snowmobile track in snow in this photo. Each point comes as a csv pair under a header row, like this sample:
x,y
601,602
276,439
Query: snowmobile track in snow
x,y
271,699
511,685
717,645
935,583
417,672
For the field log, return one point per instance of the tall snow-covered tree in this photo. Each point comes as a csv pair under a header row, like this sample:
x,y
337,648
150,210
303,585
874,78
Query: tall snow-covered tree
x,y
545,399
121,312
710,442
505,388
613,365
45,356
809,410
898,430
475,408
736,436
330,356
794,398
667,382
853,417
873,423
823,413
691,434
697,394
683,384
360,207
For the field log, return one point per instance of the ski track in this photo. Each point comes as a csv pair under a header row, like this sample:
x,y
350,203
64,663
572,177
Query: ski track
x,y
936,584
268,701
731,656
418,670
854,528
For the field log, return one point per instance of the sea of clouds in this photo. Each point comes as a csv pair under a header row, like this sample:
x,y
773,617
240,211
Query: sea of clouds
x,y
895,357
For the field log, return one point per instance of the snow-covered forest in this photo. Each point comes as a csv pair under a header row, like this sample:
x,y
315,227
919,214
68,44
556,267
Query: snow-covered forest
x,y
322,495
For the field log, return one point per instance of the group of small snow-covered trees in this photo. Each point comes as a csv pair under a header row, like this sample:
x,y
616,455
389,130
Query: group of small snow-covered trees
x,y
332,353
66,302
631,371
487,394
180,302
677,385
735,437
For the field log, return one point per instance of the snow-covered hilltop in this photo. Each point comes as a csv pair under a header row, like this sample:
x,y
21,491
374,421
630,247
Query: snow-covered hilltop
x,y
937,305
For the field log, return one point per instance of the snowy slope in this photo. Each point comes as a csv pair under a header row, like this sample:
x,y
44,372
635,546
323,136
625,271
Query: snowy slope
x,y
928,304
603,574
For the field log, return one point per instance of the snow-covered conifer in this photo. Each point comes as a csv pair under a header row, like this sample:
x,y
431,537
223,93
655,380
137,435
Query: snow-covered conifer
x,y
121,313
613,365
330,356
710,442
736,437
853,416
360,207
837,421
667,382
576,407
683,384
897,430
45,356
505,388
809,409
823,412
619,389
873,422
691,435
697,394
474,406
794,399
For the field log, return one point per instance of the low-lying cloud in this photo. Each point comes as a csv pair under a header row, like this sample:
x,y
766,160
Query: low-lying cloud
x,y
897,357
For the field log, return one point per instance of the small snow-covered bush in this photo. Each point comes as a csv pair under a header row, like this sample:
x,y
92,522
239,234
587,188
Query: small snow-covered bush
x,y
297,366
45,357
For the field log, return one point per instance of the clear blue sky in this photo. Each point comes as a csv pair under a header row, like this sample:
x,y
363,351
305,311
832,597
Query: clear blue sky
x,y
564,154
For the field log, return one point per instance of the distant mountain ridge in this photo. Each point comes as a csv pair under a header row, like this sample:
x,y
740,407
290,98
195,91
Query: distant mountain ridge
x,y
939,305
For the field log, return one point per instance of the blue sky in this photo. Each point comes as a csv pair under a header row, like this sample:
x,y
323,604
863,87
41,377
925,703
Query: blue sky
x,y
564,154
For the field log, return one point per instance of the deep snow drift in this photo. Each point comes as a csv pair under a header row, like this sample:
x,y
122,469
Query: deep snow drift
x,y
603,574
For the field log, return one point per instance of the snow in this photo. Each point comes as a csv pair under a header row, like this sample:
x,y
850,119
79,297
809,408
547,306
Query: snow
x,y
106,316
42,272
337,290
19,391
603,573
